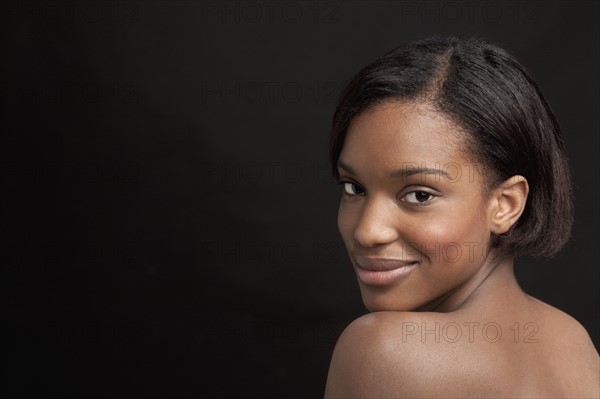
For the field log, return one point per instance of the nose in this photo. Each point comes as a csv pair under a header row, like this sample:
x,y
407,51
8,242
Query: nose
x,y
375,225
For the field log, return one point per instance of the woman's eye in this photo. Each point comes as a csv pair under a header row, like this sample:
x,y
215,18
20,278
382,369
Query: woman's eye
x,y
353,189
418,197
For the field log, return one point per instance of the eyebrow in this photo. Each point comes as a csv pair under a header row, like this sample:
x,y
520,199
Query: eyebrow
x,y
404,172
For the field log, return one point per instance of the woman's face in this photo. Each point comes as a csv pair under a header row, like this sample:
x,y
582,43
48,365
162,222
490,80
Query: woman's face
x,y
413,214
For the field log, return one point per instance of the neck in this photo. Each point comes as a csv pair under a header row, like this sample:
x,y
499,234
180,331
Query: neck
x,y
493,274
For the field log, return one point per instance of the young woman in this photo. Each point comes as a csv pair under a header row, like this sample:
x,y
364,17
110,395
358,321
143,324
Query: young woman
x,y
452,164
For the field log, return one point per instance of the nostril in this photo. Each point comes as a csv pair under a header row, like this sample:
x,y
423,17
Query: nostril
x,y
374,236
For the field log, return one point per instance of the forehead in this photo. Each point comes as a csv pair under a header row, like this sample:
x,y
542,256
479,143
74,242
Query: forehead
x,y
394,133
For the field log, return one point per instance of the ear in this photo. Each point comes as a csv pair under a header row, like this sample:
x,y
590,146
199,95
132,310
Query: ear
x,y
509,201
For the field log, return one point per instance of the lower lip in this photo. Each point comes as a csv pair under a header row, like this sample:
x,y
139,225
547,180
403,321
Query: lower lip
x,y
382,278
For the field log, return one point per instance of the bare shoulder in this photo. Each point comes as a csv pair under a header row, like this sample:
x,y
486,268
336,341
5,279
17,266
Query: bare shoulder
x,y
360,364
539,352
565,335
559,327
383,354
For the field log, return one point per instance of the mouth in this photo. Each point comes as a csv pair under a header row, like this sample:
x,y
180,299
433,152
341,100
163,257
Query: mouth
x,y
382,271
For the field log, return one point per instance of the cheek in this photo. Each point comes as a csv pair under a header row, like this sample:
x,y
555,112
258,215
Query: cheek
x,y
453,238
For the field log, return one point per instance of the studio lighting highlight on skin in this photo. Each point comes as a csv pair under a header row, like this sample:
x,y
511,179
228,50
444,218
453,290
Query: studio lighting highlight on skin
x,y
451,165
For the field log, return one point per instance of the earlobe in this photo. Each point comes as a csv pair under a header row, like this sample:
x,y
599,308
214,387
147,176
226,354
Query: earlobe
x,y
509,202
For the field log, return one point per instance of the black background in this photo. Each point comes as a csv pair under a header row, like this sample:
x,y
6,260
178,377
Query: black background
x,y
169,220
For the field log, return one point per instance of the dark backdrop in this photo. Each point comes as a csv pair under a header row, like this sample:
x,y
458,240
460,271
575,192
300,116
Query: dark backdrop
x,y
169,221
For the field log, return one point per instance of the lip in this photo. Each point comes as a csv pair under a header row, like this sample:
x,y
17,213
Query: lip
x,y
382,271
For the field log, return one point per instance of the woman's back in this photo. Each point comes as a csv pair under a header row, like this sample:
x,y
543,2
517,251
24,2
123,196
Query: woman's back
x,y
501,343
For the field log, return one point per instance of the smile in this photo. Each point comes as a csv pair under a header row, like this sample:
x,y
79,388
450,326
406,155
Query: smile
x,y
382,271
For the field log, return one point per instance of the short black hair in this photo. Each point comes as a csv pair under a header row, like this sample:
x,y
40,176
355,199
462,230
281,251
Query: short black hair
x,y
510,125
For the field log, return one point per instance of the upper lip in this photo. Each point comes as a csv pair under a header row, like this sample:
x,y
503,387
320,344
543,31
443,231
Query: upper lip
x,y
381,264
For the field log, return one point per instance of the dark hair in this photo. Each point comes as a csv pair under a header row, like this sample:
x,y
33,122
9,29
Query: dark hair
x,y
510,126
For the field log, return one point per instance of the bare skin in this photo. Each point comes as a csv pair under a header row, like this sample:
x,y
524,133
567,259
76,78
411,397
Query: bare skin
x,y
448,316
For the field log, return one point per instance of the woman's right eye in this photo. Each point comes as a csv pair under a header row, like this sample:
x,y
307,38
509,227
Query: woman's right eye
x,y
353,189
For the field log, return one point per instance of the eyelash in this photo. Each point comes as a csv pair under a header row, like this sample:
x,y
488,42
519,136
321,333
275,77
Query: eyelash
x,y
344,182
432,195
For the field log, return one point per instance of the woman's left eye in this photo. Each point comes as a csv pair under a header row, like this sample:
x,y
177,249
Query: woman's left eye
x,y
418,197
